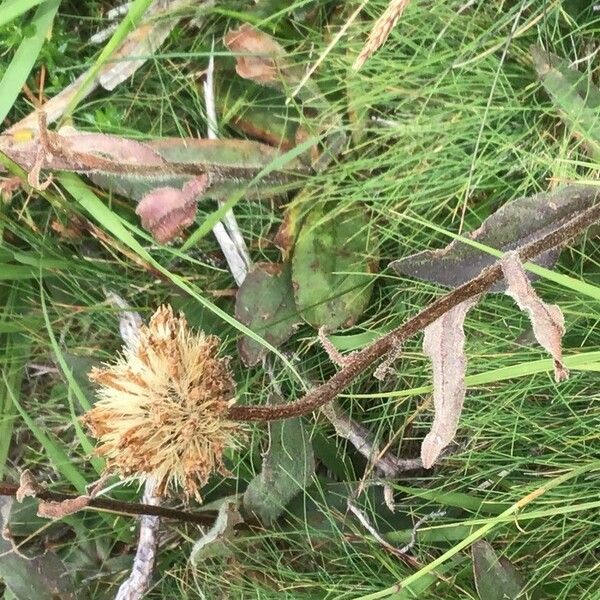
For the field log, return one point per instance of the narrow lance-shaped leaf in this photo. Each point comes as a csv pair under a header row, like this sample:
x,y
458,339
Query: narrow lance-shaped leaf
x,y
444,344
495,578
519,222
547,319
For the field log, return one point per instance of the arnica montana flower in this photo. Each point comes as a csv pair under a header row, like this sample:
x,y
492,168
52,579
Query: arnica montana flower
x,y
162,407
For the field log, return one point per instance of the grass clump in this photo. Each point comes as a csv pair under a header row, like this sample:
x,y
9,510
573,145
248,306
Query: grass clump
x,y
448,122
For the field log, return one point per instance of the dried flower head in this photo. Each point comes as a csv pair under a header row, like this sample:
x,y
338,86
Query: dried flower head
x,y
162,407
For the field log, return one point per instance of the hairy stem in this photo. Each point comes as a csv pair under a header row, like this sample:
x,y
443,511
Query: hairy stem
x,y
362,360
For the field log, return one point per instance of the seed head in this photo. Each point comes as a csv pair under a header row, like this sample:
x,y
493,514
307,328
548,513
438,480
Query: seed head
x,y
162,407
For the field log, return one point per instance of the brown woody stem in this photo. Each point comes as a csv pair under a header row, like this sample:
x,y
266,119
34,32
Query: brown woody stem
x,y
365,358
116,506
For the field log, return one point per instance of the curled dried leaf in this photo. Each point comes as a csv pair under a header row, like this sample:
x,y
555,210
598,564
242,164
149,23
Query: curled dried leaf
x,y
28,486
167,211
444,343
547,320
58,510
260,58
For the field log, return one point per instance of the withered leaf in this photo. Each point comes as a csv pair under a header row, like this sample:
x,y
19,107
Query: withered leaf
x,y
260,58
58,510
517,223
143,41
28,486
167,211
547,319
214,541
444,344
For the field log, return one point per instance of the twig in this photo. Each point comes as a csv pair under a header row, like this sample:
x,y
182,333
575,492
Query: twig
x,y
360,437
417,526
138,582
365,358
366,523
227,232
117,506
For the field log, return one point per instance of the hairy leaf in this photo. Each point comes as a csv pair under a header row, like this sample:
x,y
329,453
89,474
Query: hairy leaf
x,y
495,579
265,303
547,319
444,343
331,268
517,223
287,468
573,93
42,577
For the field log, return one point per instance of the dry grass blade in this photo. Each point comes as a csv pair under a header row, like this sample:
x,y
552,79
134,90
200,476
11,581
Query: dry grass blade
x,y
381,31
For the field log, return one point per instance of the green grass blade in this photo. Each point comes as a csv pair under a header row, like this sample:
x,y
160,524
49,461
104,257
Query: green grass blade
x,y
24,59
129,22
56,454
584,361
11,9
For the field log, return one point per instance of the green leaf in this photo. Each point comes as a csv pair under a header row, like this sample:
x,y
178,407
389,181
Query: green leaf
x,y
11,9
331,268
42,577
495,579
287,468
265,303
457,499
573,93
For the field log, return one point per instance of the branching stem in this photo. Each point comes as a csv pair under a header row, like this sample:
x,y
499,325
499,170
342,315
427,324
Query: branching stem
x,y
362,360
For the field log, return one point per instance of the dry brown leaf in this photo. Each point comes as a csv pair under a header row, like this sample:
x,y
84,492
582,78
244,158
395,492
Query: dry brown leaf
x,y
546,319
444,343
167,211
260,58
143,42
28,486
58,510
